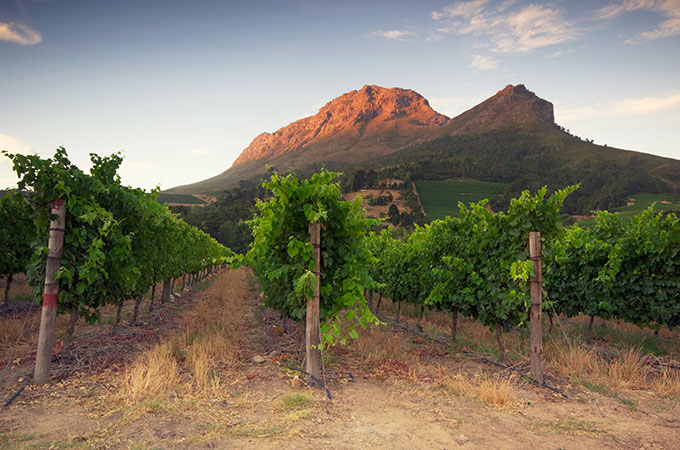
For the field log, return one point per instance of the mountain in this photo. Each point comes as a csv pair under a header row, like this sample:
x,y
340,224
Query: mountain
x,y
513,107
357,126
511,137
355,117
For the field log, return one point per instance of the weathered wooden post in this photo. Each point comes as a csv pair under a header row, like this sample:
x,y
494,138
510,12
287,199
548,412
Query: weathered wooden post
x,y
535,312
50,294
313,324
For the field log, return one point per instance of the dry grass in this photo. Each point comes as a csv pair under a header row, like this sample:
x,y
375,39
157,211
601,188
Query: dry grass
x,y
459,385
378,343
624,370
213,329
496,391
602,369
154,372
574,361
207,348
628,371
667,385
221,304
201,362
206,356
10,331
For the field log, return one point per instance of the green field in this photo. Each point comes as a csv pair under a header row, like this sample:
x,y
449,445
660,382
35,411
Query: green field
x,y
642,202
440,198
180,198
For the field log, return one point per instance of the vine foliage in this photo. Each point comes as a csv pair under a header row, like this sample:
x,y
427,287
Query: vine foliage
x,y
282,256
118,240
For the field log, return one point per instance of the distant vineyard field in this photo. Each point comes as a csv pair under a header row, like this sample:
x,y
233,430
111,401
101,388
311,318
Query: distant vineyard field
x,y
638,203
184,199
440,198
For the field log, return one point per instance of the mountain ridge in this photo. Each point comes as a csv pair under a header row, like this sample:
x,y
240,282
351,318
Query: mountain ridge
x,y
371,109
369,125
511,106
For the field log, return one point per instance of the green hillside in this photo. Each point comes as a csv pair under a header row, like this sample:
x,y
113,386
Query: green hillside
x,y
440,198
530,161
184,199
638,203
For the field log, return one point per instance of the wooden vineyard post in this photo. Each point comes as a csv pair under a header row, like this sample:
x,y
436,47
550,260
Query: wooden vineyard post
x,y
535,312
50,294
312,330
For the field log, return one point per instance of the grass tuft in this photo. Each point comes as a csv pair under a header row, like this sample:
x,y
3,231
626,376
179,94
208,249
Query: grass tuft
x,y
295,401
628,370
155,372
667,385
497,393
494,391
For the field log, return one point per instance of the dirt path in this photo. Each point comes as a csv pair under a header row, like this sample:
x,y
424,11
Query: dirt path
x,y
384,397
420,203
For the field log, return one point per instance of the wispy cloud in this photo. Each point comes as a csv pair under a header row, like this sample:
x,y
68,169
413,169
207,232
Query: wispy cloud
x,y
19,33
668,9
480,62
465,10
626,107
560,53
509,27
616,8
394,35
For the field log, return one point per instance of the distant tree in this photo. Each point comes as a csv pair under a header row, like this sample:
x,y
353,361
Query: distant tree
x,y
359,180
393,213
371,179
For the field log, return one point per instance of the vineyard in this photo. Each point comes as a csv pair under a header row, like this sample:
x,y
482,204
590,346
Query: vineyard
x,y
453,315
440,198
107,242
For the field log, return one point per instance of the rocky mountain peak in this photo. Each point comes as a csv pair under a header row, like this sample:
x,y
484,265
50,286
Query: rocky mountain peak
x,y
512,106
369,110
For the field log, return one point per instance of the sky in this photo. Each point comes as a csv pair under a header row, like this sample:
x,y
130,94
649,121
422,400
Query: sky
x,y
180,88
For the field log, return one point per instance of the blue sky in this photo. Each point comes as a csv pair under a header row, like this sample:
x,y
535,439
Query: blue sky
x,y
180,88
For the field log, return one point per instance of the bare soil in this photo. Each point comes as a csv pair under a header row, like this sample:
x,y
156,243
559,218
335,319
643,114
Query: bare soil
x,y
379,399
378,211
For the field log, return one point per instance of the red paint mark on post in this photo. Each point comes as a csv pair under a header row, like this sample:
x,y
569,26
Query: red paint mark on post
x,y
50,300
58,204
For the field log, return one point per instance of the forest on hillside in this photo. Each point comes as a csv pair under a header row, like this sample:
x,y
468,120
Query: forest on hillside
x,y
524,162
